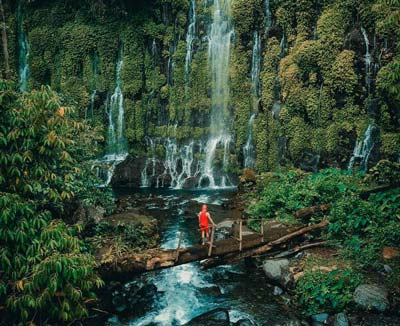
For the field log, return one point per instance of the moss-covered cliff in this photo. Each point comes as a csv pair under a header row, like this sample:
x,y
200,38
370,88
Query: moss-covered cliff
x,y
319,88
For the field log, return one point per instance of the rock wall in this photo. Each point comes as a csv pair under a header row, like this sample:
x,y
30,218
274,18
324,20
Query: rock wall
x,y
329,69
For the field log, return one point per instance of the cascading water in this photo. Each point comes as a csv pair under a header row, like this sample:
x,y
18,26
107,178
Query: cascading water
x,y
23,66
95,70
363,148
248,149
219,44
117,149
367,59
150,164
268,15
190,37
179,164
116,142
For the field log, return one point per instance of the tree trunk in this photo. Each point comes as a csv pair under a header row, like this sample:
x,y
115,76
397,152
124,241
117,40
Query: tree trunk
x,y
4,41
225,250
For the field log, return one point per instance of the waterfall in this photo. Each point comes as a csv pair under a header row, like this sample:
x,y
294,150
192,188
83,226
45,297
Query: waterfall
x,y
116,142
367,59
282,45
95,71
116,150
219,43
363,148
150,162
268,15
248,149
23,66
256,67
190,37
178,164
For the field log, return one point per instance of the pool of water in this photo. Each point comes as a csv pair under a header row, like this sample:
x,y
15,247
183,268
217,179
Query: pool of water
x,y
184,292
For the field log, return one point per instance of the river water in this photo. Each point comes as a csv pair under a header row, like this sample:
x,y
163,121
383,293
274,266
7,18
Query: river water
x,y
184,292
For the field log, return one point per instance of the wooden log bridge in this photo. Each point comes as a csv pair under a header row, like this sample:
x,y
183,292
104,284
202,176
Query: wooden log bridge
x,y
245,245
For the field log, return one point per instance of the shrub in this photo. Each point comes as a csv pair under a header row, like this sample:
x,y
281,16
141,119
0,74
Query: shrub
x,y
44,270
319,291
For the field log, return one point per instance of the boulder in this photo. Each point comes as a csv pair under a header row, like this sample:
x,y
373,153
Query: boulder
x,y
340,319
320,318
278,271
277,290
213,290
95,213
370,296
244,322
88,214
216,317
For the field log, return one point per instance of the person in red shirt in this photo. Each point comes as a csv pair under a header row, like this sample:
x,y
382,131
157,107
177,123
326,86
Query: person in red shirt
x,y
204,217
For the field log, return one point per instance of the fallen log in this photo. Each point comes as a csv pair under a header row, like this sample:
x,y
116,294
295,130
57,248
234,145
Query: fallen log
x,y
233,257
129,264
299,248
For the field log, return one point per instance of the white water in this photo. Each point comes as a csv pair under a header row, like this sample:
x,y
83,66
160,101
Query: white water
x,y
179,164
23,66
367,59
190,37
117,149
219,44
268,15
150,161
95,71
116,142
363,148
248,149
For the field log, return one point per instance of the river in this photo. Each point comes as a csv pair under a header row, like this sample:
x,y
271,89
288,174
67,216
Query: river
x,y
184,292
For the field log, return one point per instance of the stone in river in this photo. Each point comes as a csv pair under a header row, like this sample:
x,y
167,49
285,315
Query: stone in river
x,y
216,317
278,271
371,297
340,320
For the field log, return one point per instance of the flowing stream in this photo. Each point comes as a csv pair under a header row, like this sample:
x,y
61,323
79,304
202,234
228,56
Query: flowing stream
x,y
184,292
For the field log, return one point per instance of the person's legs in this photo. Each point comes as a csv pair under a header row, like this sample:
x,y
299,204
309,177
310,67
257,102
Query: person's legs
x,y
202,237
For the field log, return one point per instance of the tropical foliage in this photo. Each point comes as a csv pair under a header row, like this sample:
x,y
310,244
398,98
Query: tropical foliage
x,y
44,271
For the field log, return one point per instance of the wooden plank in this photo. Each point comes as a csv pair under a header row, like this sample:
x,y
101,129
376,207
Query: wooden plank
x,y
212,240
157,258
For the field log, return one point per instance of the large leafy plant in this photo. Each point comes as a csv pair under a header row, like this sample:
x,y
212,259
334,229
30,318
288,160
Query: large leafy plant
x,y
44,272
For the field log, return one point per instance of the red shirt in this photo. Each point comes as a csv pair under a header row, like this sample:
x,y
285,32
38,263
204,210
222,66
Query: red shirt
x,y
203,219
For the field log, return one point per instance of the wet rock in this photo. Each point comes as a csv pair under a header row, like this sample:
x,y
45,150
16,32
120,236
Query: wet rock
x,y
369,296
128,172
278,271
320,318
340,320
244,322
88,214
211,290
387,269
190,183
277,290
291,321
368,319
134,295
216,317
